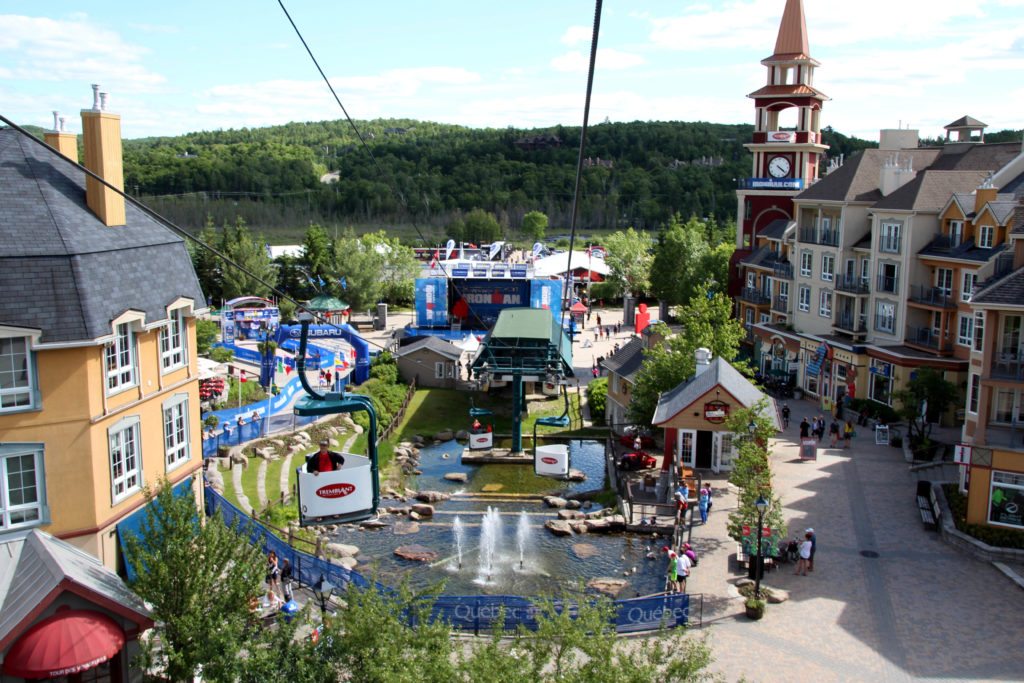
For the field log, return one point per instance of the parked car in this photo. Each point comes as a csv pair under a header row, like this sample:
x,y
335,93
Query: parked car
x,y
637,461
645,440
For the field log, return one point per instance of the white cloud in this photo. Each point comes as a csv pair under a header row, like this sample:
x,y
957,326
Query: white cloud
x,y
607,59
575,35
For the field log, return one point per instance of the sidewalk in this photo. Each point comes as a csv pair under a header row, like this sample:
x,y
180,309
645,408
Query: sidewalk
x,y
917,611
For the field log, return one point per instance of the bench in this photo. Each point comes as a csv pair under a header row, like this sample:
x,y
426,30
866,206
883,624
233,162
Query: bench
x,y
924,508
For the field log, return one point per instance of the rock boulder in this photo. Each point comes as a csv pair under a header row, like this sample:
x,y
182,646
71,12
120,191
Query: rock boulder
x,y
423,510
608,586
584,551
406,528
431,496
444,435
555,502
416,553
559,527
456,476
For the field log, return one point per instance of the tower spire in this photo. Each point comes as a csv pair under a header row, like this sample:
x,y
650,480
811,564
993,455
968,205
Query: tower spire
x,y
792,38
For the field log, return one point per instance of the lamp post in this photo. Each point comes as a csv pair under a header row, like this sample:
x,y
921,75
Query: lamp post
x,y
761,504
752,428
323,589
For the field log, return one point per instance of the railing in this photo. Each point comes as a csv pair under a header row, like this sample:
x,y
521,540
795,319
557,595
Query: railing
x,y
851,284
888,283
828,238
924,336
783,271
932,296
1006,366
780,304
754,295
850,323
474,613
400,415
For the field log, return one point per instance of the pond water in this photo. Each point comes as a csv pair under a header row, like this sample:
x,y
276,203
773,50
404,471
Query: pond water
x,y
505,548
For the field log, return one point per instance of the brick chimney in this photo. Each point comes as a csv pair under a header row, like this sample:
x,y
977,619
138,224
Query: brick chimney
x,y
101,133
62,141
985,193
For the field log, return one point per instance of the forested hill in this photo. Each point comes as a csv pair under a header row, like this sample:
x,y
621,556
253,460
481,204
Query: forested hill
x,y
637,174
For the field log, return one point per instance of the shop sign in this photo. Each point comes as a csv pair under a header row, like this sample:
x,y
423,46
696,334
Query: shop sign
x,y
962,454
1006,503
716,411
808,449
781,136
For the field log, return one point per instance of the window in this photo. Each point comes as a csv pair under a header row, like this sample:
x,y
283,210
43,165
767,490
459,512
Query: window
x,y
885,317
825,303
979,330
986,236
828,267
120,355
811,383
880,389
956,233
944,281
725,439
1011,336
751,280
806,263
17,380
765,318
438,370
125,458
749,317
172,343
1002,406
22,494
889,238
176,440
865,271
973,394
1006,499
784,290
966,334
888,277
804,304
967,286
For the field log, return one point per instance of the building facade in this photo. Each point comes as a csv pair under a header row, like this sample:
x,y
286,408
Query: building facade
x,y
98,373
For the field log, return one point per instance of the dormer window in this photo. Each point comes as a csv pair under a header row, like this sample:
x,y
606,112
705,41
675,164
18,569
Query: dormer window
x,y
956,233
17,376
120,359
986,236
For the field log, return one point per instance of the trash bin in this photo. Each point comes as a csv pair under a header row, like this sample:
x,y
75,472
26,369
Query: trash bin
x,y
924,488
755,569
382,316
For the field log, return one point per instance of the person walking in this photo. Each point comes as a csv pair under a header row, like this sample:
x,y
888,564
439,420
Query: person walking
x,y
599,320
785,416
805,555
672,576
702,505
819,429
683,565
805,428
814,546
847,434
833,432
273,575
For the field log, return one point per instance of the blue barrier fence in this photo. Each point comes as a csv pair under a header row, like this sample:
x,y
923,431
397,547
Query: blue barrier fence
x,y
476,613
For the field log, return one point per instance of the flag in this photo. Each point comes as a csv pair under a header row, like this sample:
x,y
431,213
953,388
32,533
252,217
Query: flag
x,y
448,249
337,361
242,377
343,283
280,364
537,248
320,280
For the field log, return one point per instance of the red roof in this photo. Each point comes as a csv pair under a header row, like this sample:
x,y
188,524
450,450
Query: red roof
x,y
578,307
68,642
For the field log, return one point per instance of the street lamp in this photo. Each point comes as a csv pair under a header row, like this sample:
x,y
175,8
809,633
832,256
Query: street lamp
x,y
761,504
752,427
323,589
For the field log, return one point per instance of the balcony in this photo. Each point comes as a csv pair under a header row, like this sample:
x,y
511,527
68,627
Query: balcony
x,y
852,284
926,338
847,322
932,296
828,238
888,283
885,324
1006,366
780,304
783,270
753,295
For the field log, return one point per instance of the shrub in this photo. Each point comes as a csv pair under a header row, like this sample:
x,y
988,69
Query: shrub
x,y
385,368
603,290
597,399
221,355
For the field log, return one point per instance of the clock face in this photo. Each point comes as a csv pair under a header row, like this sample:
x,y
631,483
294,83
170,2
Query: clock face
x,y
779,167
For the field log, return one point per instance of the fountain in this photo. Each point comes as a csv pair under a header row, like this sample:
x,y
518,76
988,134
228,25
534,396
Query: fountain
x,y
524,536
490,543
460,534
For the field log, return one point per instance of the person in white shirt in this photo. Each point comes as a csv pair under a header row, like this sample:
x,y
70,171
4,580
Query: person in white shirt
x,y
805,555
683,564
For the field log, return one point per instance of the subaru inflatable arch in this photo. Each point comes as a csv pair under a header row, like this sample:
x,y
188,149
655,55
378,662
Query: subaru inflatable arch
x,y
350,493
361,373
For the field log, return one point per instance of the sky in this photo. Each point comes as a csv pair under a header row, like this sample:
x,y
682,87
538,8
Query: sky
x,y
175,67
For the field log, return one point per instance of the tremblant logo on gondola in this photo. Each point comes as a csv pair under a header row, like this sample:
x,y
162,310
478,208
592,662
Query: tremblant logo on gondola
x,y
335,490
548,460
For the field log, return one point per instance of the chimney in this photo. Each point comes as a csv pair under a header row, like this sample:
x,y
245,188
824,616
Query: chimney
x,y
101,133
62,141
985,193
895,174
703,357
892,139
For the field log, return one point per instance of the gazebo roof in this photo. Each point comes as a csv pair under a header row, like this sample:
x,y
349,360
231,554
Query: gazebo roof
x,y
326,302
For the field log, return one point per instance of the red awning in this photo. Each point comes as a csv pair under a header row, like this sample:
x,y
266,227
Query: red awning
x,y
70,641
578,307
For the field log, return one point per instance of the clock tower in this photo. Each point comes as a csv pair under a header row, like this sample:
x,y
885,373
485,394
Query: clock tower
x,y
786,145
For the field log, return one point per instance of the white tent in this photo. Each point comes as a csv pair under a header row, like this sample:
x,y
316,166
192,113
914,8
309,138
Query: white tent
x,y
558,264
470,344
210,368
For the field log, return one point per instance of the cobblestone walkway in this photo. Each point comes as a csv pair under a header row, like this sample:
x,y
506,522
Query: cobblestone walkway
x,y
917,611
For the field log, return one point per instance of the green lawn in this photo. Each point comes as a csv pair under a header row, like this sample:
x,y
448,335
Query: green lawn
x,y
249,482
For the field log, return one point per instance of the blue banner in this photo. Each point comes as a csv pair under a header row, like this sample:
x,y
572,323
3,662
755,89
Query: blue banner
x,y
546,294
477,303
431,302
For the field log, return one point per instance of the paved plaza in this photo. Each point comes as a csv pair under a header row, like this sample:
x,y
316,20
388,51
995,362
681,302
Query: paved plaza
x,y
919,611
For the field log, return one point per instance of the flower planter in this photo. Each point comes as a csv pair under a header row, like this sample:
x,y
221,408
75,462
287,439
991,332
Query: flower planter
x,y
755,612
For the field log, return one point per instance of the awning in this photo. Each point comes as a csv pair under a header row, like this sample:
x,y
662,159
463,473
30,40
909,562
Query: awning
x,y
66,643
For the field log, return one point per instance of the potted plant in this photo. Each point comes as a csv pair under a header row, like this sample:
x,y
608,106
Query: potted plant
x,y
755,608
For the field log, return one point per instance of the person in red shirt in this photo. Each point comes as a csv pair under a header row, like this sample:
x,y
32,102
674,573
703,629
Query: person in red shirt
x,y
324,460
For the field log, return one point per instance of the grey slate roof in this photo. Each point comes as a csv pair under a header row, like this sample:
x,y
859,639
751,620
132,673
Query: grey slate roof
x,y
965,251
857,179
1002,209
433,344
63,270
34,563
1018,220
719,373
930,190
966,122
776,230
975,157
1008,290
626,363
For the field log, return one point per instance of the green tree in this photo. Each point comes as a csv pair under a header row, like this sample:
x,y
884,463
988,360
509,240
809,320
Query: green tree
x,y
679,260
928,389
398,269
206,335
715,265
198,579
481,227
316,252
629,258
361,265
751,471
597,398
708,323
206,263
535,225
242,248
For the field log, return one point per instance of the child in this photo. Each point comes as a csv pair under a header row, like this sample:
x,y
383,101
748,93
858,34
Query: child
x,y
805,555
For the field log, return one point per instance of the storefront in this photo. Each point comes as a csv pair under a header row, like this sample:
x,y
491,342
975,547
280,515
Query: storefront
x,y
994,483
